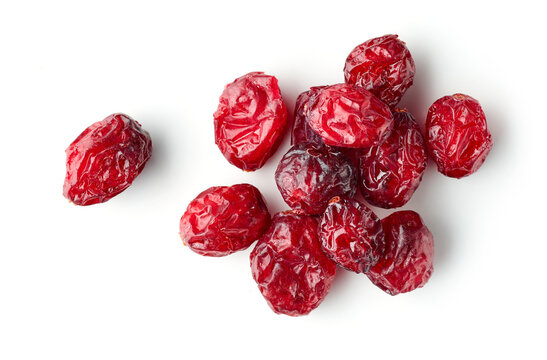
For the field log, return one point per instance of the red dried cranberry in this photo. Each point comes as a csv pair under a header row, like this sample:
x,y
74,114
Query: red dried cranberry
x,y
351,234
105,159
224,219
292,272
349,116
391,172
407,262
308,176
383,66
302,132
250,120
457,135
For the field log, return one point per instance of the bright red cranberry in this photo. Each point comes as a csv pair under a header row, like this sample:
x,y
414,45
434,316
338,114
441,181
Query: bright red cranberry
x,y
391,172
349,116
308,176
105,159
224,219
351,234
302,132
250,120
383,66
407,262
457,135
292,272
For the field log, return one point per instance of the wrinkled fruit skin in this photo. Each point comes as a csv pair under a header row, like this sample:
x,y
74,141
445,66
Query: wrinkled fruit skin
x,y
407,263
457,135
308,176
302,132
105,159
383,66
351,234
224,219
349,116
292,272
391,172
250,120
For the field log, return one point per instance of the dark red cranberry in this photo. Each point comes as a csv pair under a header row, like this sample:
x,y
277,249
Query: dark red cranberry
x,y
224,219
302,132
105,159
250,120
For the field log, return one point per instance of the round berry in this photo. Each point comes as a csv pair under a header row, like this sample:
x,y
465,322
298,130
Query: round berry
x,y
302,132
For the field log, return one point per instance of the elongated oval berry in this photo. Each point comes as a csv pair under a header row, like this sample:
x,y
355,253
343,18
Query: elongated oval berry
x,y
351,234
407,262
250,121
391,171
457,135
302,132
224,219
292,272
105,159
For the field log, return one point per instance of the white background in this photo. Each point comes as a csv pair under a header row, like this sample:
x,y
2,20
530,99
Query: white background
x,y
113,281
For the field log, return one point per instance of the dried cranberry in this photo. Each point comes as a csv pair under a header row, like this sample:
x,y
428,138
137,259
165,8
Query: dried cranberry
x,y
383,66
224,219
302,132
308,176
292,272
391,172
105,159
250,120
457,135
407,262
351,234
349,116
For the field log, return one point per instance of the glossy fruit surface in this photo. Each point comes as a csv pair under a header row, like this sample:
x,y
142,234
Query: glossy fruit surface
x,y
292,272
407,262
457,135
105,159
351,234
250,120
308,176
391,172
224,219
302,132
383,66
349,116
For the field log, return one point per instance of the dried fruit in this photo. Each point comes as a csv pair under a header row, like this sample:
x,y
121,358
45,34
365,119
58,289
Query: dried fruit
x,y
383,66
250,120
224,219
105,159
308,176
351,234
292,272
349,116
457,135
391,172
302,132
407,262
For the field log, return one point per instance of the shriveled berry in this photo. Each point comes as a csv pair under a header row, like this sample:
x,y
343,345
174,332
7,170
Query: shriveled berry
x,y
302,132
250,120
391,172
292,272
224,219
457,135
105,159
383,66
351,234
308,176
407,262
349,116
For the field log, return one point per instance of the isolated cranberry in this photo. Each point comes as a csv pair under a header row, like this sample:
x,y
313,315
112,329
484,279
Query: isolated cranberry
x,y
105,159
250,120
457,135
292,272
349,116
407,262
224,219
391,172
383,66
302,132
351,234
308,176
